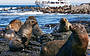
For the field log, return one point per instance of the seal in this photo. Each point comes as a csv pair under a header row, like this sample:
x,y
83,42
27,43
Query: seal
x,y
36,30
8,34
63,26
15,25
76,44
23,36
26,30
51,48
11,29
15,43
62,31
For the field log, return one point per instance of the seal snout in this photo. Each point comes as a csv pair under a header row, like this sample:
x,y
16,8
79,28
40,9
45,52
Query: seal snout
x,y
63,20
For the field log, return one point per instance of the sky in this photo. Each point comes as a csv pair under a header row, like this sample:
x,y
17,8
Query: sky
x,y
29,2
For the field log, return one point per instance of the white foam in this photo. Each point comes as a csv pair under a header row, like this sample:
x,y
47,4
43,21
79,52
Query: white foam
x,y
23,13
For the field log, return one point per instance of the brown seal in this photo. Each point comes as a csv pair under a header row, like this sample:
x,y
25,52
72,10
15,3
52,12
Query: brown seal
x,y
36,29
51,48
63,26
10,30
76,45
26,30
15,43
23,36
15,25
8,34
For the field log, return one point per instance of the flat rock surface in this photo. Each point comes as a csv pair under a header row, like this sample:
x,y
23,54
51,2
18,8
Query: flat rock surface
x,y
4,50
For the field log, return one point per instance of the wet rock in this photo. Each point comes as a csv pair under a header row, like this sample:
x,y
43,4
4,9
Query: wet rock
x,y
5,51
61,35
51,25
45,38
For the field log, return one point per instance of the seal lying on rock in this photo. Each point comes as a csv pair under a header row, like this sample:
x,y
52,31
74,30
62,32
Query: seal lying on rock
x,y
63,26
15,25
11,29
8,34
15,43
76,45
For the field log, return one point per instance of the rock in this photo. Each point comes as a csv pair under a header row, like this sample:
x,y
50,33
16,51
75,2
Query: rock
x,y
5,51
61,35
45,38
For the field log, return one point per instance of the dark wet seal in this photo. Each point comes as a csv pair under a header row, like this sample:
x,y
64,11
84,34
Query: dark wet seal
x,y
15,44
15,25
76,45
36,30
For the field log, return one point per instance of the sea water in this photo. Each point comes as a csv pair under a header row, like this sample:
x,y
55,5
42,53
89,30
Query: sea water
x,y
42,18
45,19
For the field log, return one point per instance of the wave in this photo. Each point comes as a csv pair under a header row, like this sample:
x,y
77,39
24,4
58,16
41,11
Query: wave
x,y
23,13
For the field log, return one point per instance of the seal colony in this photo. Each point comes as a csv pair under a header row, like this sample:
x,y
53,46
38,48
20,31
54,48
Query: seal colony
x,y
20,35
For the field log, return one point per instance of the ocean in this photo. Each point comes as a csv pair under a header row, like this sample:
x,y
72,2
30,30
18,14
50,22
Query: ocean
x,y
41,18
3,6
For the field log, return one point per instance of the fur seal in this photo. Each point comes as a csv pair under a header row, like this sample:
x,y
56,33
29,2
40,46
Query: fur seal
x,y
8,34
62,31
23,36
15,25
63,26
15,43
26,30
36,30
76,44
11,29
